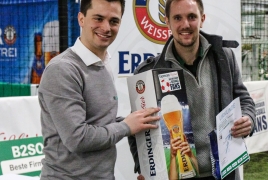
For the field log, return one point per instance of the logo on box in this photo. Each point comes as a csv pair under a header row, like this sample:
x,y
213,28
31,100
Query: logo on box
x,y
140,86
169,82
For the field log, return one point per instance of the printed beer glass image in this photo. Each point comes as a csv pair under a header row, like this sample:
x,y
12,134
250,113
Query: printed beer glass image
x,y
173,118
51,38
38,62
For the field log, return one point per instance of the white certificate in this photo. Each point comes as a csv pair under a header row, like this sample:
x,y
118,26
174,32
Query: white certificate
x,y
232,151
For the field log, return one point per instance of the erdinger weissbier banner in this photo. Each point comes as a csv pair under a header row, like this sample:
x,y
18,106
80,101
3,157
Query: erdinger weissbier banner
x,y
143,31
159,156
28,37
258,90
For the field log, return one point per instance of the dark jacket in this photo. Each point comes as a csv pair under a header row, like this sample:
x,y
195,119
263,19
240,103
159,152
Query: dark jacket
x,y
227,82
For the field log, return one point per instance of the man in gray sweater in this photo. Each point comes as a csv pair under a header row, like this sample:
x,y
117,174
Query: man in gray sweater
x,y
79,102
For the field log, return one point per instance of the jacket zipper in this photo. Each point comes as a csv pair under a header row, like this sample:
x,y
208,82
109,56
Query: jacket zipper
x,y
198,70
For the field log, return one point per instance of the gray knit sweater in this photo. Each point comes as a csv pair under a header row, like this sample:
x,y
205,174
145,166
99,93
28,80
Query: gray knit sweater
x,y
78,118
202,106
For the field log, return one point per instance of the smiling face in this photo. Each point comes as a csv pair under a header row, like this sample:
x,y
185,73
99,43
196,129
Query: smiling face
x,y
185,21
100,25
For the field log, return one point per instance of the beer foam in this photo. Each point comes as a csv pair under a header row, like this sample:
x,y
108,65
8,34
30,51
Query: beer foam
x,y
170,103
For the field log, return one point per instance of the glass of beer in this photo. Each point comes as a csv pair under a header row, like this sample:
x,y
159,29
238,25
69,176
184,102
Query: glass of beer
x,y
172,114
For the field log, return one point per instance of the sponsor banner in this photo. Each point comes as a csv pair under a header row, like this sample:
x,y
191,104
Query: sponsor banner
x,y
20,118
143,31
22,1
258,90
9,90
20,136
142,34
22,156
29,39
22,25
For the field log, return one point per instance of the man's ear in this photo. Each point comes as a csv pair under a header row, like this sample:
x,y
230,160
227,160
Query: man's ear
x,y
203,17
81,19
167,21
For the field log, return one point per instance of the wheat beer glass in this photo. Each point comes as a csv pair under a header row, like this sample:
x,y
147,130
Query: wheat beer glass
x,y
172,114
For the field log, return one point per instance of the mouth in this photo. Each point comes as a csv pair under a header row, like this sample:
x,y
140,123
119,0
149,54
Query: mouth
x,y
185,33
103,35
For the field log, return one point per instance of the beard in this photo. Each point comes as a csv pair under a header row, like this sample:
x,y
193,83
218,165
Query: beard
x,y
187,43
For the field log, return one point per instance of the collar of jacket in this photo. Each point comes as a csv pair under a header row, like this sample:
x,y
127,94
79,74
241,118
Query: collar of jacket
x,y
215,40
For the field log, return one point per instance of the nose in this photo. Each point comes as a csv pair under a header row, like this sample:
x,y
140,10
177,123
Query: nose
x,y
105,26
185,23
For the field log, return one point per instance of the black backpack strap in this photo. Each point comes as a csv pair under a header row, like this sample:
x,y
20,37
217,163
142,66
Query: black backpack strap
x,y
218,71
146,65
230,44
220,57
229,54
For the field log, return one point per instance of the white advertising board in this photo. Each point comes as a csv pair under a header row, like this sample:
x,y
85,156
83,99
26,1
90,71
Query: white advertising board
x,y
258,90
21,140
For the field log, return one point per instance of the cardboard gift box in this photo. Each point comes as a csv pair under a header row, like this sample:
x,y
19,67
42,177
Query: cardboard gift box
x,y
164,88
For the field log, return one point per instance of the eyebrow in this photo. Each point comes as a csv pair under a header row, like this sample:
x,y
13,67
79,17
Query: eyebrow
x,y
192,14
100,16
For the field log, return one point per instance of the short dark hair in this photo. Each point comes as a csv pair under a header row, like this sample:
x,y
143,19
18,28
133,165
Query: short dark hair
x,y
168,4
87,4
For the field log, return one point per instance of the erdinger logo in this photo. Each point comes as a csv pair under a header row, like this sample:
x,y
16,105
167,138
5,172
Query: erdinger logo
x,y
10,35
140,86
150,29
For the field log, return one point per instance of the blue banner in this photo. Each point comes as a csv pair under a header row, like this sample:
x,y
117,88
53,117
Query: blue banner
x,y
22,1
27,29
